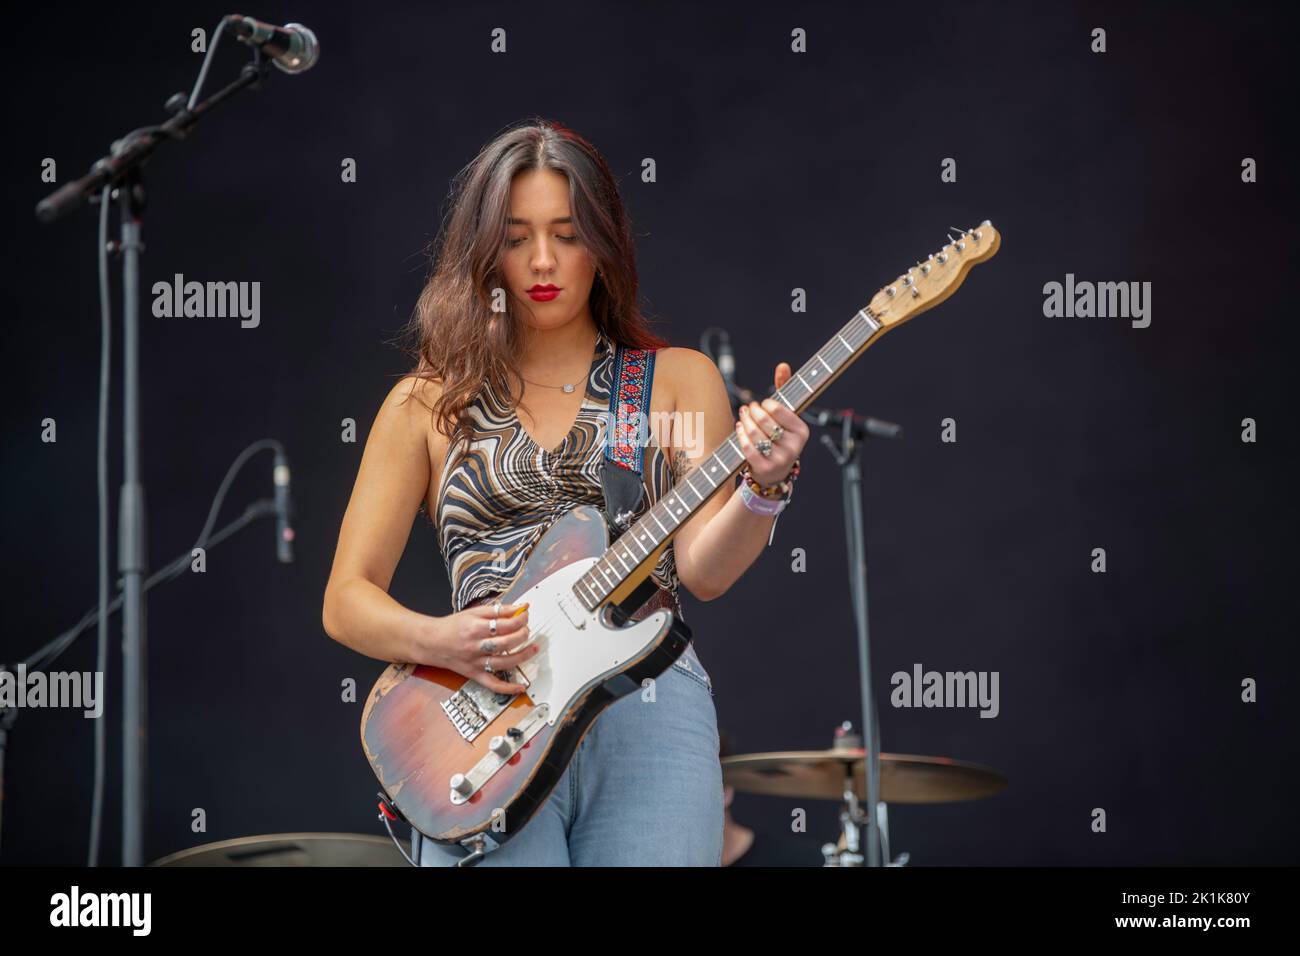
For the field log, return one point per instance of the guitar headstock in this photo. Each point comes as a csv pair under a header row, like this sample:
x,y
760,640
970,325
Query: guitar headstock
x,y
935,278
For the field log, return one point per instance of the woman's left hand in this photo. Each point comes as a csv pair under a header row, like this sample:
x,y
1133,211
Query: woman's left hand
x,y
759,421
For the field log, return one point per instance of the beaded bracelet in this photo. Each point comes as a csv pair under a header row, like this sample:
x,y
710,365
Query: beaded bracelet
x,y
779,491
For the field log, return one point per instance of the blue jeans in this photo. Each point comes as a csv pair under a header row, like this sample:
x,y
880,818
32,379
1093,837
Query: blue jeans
x,y
644,787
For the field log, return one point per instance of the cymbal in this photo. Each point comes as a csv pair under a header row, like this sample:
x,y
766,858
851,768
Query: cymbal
x,y
291,849
822,775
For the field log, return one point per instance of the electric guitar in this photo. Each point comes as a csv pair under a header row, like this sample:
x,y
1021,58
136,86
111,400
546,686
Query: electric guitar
x,y
466,765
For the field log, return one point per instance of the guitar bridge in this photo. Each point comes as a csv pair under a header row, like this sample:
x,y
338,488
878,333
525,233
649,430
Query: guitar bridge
x,y
473,707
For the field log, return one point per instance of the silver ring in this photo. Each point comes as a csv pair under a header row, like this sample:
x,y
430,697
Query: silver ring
x,y
764,448
488,647
777,433
496,608
492,626
487,666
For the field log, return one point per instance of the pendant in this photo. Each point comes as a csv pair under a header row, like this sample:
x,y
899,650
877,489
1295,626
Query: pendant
x,y
568,388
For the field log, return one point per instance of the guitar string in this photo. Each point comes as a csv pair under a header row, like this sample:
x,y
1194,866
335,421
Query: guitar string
x,y
540,632
535,633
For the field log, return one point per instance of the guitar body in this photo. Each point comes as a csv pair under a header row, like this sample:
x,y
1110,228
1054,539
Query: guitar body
x,y
422,726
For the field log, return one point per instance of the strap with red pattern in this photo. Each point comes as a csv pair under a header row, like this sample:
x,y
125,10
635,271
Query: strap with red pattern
x,y
628,421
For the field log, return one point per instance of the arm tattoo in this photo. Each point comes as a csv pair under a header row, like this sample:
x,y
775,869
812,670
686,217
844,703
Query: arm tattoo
x,y
681,465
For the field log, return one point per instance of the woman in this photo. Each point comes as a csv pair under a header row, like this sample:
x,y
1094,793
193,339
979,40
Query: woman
x,y
533,287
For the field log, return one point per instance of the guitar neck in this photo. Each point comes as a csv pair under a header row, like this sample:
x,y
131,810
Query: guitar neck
x,y
674,509
915,291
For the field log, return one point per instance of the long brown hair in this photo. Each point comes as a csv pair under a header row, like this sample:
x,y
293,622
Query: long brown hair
x,y
457,337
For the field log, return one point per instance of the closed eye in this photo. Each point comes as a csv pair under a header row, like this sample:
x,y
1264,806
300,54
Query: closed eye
x,y
514,242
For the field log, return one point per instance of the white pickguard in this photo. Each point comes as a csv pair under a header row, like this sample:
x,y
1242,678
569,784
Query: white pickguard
x,y
576,646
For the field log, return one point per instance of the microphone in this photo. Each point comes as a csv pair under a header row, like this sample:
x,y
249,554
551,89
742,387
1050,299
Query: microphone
x,y
283,510
726,359
292,47
727,366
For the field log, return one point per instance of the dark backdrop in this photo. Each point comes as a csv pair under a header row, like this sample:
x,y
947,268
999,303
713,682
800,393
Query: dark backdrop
x,y
775,170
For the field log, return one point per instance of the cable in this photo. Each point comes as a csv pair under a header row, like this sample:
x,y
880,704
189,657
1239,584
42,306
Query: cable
x,y
203,70
100,613
101,483
388,813
173,569
105,365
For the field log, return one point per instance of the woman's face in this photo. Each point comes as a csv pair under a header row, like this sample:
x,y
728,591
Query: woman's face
x,y
543,250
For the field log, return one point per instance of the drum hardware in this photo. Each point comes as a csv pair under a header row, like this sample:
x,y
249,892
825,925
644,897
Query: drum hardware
x,y
840,774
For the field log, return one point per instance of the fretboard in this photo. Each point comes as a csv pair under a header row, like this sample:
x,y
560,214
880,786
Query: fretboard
x,y
662,520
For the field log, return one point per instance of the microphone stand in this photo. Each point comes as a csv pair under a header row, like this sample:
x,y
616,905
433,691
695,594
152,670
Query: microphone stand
x,y
46,655
853,431
120,170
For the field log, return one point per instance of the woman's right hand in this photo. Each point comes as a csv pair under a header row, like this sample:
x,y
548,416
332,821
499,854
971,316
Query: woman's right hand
x,y
462,642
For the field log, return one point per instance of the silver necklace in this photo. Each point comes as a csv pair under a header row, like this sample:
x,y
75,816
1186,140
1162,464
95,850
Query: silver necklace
x,y
566,388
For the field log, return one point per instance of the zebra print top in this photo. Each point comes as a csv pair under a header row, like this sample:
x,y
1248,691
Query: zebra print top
x,y
496,504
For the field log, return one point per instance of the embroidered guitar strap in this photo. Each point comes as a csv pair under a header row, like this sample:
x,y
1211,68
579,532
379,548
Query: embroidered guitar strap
x,y
627,428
